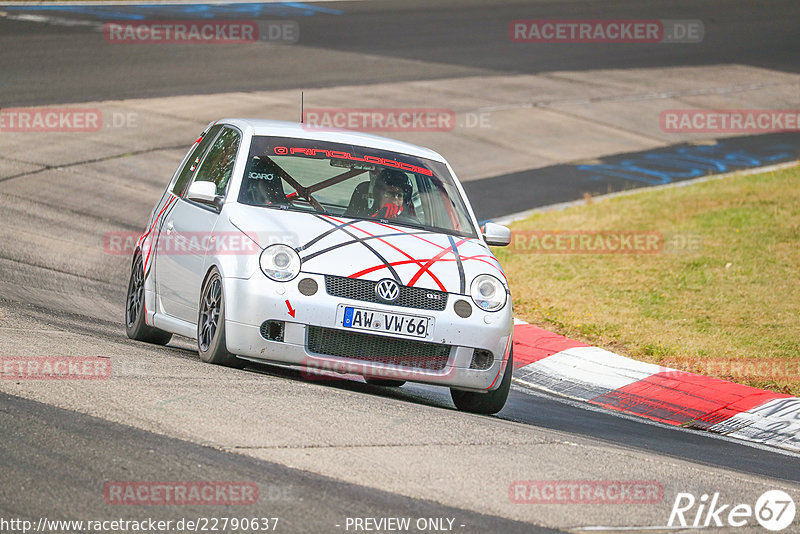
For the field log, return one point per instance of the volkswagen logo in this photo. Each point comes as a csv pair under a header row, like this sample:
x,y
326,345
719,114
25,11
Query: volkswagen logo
x,y
387,290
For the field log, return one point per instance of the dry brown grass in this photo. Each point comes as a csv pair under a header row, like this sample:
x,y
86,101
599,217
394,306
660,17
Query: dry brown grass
x,y
720,309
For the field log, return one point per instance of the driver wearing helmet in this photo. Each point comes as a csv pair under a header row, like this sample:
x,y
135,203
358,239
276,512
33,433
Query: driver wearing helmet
x,y
391,194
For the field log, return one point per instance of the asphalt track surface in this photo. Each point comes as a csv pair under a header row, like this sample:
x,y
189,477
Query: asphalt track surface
x,y
51,64
81,453
623,172
56,461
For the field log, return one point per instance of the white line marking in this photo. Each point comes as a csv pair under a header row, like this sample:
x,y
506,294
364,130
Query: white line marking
x,y
600,369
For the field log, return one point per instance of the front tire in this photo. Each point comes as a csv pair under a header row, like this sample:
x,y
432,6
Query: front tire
x,y
135,325
486,403
211,344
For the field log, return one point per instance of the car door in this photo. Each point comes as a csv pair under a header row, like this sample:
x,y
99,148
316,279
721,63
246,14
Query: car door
x,y
165,294
188,231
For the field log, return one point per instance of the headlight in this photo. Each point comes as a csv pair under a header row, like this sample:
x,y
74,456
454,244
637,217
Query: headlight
x,y
280,263
488,293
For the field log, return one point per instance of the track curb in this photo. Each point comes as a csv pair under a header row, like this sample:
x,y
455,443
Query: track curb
x,y
557,364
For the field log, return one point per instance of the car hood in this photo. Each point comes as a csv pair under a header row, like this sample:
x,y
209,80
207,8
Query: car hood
x,y
371,250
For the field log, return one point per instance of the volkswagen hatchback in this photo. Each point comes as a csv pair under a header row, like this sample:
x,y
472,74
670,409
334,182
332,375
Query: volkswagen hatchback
x,y
334,251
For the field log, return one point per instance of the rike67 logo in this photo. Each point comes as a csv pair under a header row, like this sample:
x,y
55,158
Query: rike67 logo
x,y
774,510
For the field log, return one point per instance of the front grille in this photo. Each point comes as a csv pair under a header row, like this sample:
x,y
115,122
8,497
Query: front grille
x,y
410,297
378,349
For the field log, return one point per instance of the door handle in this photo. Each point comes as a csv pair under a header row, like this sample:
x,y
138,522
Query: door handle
x,y
170,226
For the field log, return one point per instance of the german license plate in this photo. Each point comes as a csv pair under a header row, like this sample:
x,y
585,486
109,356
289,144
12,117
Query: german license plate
x,y
386,322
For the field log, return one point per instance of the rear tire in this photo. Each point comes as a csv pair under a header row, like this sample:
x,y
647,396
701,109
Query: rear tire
x,y
384,382
485,403
135,325
211,344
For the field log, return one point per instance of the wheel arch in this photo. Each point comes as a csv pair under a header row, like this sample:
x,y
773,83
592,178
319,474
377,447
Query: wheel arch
x,y
136,252
209,269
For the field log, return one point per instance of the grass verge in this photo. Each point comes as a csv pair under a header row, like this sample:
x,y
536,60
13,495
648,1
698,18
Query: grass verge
x,y
719,296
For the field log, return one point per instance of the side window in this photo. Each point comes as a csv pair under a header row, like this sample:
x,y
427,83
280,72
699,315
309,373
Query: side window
x,y
217,166
194,160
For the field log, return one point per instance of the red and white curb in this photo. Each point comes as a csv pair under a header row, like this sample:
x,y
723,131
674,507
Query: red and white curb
x,y
560,365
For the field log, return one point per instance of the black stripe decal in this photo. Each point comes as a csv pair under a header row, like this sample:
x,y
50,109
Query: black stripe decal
x,y
367,238
462,278
325,234
375,252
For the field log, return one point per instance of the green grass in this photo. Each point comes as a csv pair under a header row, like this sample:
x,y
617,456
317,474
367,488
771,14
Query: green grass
x,y
719,308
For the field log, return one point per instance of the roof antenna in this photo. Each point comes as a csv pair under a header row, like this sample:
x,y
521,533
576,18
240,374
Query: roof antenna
x,y
301,107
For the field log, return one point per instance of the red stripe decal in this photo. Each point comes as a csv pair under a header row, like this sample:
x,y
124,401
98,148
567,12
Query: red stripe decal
x,y
144,265
393,264
414,260
505,356
144,236
496,265
678,398
532,344
424,268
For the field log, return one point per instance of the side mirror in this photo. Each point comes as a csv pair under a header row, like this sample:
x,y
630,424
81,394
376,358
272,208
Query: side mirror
x,y
496,235
205,192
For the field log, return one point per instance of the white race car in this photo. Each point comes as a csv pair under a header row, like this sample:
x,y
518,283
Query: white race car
x,y
335,251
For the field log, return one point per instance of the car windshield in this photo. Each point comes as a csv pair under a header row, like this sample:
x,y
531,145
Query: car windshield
x,y
353,181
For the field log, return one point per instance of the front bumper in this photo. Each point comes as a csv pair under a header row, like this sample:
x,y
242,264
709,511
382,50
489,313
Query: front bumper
x,y
251,302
